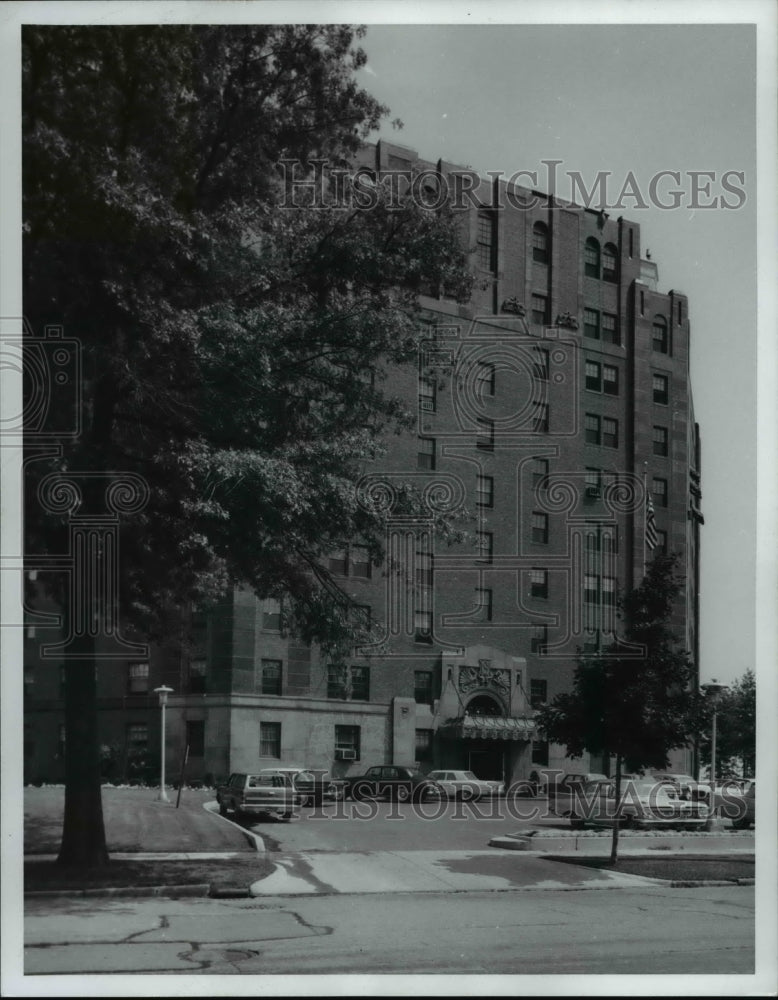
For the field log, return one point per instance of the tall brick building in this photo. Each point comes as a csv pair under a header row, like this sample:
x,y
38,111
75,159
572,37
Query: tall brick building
x,y
545,405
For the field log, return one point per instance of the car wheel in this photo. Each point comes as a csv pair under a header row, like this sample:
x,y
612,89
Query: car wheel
x,y
222,808
627,823
741,824
466,795
402,793
287,816
576,823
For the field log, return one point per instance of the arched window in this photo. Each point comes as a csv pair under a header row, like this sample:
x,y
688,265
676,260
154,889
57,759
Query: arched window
x,y
540,243
592,258
610,263
659,339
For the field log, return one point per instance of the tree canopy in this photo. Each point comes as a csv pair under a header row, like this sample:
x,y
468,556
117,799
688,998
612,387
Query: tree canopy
x,y
235,349
735,728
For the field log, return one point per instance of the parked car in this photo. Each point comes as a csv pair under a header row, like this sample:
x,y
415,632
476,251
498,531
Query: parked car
x,y
270,792
748,817
314,786
465,785
642,803
685,784
569,781
392,782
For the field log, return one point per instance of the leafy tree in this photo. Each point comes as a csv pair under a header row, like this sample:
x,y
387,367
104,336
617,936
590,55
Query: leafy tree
x,y
735,729
636,708
235,349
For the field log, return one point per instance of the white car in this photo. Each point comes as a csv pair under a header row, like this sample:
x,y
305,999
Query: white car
x,y
465,785
643,802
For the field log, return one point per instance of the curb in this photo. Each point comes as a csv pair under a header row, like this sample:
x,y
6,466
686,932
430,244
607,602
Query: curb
x,y
197,889
254,839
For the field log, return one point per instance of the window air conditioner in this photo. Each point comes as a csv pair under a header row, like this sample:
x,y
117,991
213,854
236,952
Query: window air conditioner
x,y
345,755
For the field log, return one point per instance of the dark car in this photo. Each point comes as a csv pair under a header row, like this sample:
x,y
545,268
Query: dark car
x,y
741,809
392,782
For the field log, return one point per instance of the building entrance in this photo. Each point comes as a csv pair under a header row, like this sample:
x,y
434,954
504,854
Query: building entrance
x,y
487,763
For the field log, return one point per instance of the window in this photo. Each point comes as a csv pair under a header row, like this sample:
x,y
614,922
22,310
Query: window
x,y
137,734
660,390
271,676
540,364
483,601
270,739
631,243
540,243
660,440
138,678
338,563
539,640
609,591
538,582
539,527
610,380
680,313
539,473
426,454
592,258
642,301
540,421
659,492
538,693
540,309
347,742
337,681
661,544
427,394
360,683
422,618
592,483
592,324
593,376
485,546
485,434
360,614
486,243
592,428
424,567
659,339
540,752
271,619
610,263
610,432
591,641
610,328
485,378
591,589
195,737
359,561
422,687
423,744
610,542
197,671
485,491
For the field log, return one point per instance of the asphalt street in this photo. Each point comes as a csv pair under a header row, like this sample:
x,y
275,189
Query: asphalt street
x,y
638,929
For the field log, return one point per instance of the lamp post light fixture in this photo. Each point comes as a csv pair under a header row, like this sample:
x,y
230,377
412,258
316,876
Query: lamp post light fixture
x,y
713,690
163,692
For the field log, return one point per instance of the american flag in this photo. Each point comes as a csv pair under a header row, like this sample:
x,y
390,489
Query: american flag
x,y
652,538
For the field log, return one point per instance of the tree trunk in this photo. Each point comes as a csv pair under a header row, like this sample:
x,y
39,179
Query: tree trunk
x,y
615,839
83,832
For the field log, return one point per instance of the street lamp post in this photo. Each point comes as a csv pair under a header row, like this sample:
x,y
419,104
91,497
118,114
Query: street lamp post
x,y
713,690
163,692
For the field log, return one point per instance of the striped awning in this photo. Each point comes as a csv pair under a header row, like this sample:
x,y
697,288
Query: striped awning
x,y
489,727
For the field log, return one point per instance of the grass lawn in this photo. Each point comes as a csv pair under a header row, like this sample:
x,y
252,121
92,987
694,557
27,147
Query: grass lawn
x,y
673,868
241,871
135,820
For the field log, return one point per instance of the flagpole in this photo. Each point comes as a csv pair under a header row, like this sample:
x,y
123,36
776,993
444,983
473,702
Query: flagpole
x,y
645,516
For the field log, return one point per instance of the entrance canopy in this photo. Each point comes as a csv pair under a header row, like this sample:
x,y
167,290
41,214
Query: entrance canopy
x,y
489,727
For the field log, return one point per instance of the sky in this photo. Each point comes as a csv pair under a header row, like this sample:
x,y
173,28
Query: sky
x,y
640,99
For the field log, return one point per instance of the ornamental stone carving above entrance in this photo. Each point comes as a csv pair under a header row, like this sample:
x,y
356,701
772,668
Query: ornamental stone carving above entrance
x,y
484,676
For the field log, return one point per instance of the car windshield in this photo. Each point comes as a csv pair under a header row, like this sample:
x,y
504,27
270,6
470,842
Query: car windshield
x,y
469,775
